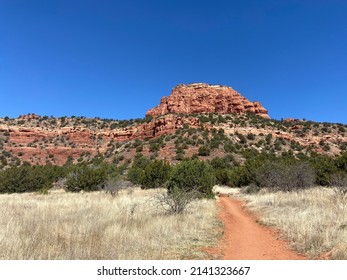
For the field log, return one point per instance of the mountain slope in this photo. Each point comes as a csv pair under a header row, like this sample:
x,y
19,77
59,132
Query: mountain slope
x,y
196,120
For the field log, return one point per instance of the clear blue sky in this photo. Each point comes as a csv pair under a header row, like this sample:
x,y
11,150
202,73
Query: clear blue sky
x,y
116,59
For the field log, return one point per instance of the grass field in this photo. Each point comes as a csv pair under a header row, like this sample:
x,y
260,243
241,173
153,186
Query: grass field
x,y
313,220
98,226
132,226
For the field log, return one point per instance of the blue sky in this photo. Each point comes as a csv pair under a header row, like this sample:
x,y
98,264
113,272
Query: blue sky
x,y
116,59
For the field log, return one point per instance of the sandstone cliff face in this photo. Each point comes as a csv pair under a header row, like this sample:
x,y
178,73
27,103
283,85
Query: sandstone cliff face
x,y
204,98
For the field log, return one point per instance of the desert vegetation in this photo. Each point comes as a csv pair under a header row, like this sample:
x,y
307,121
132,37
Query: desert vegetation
x,y
269,160
242,135
89,211
314,220
277,173
97,225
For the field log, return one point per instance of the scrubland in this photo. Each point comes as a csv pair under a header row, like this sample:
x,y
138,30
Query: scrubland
x,y
131,225
97,225
314,220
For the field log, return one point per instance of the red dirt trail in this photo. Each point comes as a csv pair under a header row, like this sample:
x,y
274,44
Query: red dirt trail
x,y
245,239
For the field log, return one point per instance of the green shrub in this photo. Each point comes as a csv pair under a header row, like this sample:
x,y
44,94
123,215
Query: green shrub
x,y
204,151
239,176
242,138
154,147
148,173
192,175
86,178
155,174
28,178
136,175
222,176
341,162
229,147
324,167
221,163
15,179
179,156
268,138
139,148
250,136
222,167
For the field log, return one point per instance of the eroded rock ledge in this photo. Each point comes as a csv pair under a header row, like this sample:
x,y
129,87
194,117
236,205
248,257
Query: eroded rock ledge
x,y
204,98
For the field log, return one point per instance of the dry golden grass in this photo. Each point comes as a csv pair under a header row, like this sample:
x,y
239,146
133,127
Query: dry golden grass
x,y
98,226
314,220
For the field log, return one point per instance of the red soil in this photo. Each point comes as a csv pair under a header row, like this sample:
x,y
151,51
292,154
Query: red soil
x,y
245,239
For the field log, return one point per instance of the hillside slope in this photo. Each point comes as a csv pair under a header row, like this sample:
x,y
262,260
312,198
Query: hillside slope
x,y
196,120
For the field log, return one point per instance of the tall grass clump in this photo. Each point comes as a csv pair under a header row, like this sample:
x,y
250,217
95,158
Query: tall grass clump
x,y
313,220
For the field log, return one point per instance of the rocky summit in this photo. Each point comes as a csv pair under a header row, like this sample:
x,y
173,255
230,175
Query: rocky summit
x,y
201,98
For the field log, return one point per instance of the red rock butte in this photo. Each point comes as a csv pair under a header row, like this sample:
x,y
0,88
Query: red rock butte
x,y
200,98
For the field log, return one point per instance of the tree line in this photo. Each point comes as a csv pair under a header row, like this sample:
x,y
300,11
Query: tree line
x,y
276,173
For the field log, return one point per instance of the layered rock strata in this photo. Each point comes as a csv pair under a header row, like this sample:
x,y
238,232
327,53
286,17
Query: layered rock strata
x,y
204,98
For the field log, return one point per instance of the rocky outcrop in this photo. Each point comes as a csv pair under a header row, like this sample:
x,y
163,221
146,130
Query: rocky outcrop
x,y
204,98
162,125
156,127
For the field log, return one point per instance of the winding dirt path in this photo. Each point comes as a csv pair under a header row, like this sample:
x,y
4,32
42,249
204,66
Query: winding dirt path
x,y
245,239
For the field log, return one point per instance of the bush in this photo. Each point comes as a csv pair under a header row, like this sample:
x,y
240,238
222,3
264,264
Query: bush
x,y
324,167
29,178
139,148
148,173
16,179
136,175
341,162
176,201
222,176
229,147
281,176
179,156
154,147
239,176
137,171
156,174
192,175
250,136
86,178
204,151
267,171
222,168
221,163
242,138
